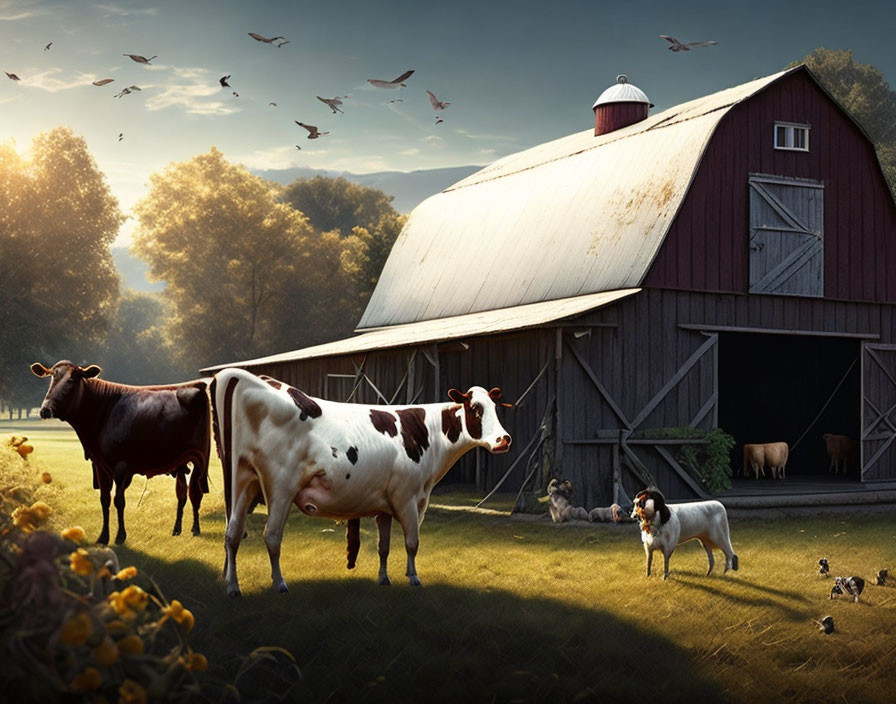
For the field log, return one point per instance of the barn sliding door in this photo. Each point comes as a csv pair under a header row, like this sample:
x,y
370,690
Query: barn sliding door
x,y
786,236
878,412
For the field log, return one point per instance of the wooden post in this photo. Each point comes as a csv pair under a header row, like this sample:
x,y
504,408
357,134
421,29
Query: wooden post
x,y
617,475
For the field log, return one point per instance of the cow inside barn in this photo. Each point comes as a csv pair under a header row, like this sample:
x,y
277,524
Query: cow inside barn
x,y
777,387
127,430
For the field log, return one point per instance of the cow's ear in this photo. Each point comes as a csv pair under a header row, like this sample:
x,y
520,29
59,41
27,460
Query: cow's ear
x,y
39,369
495,394
91,371
457,396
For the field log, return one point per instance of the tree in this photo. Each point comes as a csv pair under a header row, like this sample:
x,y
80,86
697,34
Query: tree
x,y
247,275
862,90
337,204
363,218
60,287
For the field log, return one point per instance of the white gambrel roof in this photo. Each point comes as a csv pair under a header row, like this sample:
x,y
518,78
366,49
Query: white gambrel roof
x,y
575,216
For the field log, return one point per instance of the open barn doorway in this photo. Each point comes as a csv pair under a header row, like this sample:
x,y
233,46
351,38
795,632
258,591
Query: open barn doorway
x,y
791,388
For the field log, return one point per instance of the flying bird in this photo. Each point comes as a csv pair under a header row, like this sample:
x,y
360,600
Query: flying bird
x,y
259,38
439,120
12,76
436,103
678,46
120,136
140,59
298,147
223,81
397,100
400,81
235,94
274,104
313,132
333,103
127,91
103,81
282,43
47,47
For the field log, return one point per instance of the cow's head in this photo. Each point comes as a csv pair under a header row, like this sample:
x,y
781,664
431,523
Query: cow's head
x,y
480,417
648,504
65,386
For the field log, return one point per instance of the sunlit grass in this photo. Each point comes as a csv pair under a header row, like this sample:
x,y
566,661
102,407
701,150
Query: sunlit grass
x,y
519,609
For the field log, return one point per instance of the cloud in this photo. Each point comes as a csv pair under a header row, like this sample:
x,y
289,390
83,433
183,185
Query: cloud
x,y
118,11
13,18
485,137
272,158
410,152
48,81
192,93
435,140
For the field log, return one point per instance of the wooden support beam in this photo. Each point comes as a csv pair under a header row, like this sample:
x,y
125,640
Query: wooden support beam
x,y
682,472
597,383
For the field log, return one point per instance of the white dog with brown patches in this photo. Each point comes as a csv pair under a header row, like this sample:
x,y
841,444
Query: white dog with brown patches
x,y
664,526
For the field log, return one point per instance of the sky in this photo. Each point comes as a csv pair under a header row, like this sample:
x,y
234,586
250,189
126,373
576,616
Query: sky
x,y
517,73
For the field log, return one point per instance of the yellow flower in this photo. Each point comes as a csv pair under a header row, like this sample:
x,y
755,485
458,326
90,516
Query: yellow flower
x,y
76,534
131,693
87,681
81,563
127,573
197,662
28,519
46,477
106,653
130,645
177,612
126,603
41,510
77,629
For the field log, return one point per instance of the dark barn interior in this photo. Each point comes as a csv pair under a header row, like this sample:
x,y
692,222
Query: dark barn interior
x,y
772,387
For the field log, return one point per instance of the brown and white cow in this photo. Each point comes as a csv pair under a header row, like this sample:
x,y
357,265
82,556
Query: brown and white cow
x,y
840,449
339,460
127,430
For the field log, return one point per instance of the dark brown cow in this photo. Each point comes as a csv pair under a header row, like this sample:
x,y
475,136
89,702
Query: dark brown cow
x,y
128,430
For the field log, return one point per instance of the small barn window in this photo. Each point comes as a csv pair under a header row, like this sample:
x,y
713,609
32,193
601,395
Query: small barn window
x,y
792,136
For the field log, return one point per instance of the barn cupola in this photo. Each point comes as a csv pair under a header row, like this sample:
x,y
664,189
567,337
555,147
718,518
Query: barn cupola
x,y
620,105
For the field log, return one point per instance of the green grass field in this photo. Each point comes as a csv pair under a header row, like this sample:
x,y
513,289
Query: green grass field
x,y
516,609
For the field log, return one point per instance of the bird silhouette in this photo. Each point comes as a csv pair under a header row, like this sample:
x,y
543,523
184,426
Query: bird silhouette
x,y
313,132
127,91
12,76
235,94
436,103
120,136
400,81
282,43
439,120
676,45
140,59
274,104
333,103
223,81
298,147
259,38
397,100
103,81
47,47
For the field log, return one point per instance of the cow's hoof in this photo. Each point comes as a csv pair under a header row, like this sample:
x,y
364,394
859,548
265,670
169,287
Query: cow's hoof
x,y
384,582
176,531
281,588
196,531
120,538
103,539
234,592
415,581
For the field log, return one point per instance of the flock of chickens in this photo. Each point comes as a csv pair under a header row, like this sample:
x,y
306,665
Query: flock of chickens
x,y
846,586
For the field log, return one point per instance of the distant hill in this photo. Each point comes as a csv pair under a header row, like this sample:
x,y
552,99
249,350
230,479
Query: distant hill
x,y
409,188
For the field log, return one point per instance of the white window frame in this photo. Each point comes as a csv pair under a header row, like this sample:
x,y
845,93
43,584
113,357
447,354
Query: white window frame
x,y
790,128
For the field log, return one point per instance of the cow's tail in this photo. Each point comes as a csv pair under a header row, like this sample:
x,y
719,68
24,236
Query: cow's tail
x,y
222,424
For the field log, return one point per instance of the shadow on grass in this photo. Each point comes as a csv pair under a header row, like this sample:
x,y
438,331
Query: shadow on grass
x,y
731,592
356,641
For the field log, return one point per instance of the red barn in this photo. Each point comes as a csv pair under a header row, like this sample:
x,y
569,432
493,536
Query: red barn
x,y
729,262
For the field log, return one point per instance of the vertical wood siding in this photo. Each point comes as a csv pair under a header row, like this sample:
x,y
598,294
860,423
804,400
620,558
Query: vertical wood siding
x,y
707,247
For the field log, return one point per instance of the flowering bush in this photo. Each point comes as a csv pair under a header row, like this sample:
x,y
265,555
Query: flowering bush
x,y
75,625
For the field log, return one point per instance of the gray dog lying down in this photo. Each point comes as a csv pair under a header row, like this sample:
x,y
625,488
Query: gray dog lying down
x,y
561,508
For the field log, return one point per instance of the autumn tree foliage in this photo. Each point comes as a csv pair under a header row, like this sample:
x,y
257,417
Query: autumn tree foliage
x,y
60,287
247,275
862,90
